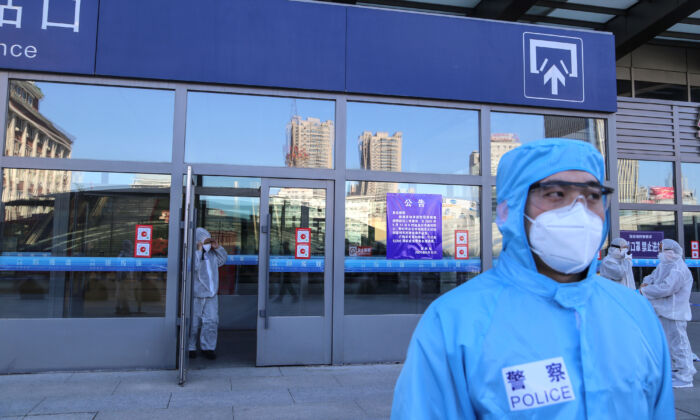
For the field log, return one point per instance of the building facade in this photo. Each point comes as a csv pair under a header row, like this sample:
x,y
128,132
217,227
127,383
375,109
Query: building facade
x,y
295,159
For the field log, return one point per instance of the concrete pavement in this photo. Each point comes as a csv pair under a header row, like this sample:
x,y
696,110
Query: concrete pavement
x,y
322,392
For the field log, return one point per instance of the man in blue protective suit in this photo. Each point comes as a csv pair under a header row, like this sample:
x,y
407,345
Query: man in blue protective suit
x,y
541,335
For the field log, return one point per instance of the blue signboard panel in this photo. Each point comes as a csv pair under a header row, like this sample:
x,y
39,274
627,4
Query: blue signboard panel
x,y
266,43
410,54
50,35
317,46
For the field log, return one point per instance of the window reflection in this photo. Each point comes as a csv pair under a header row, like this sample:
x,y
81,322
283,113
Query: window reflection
x,y
69,244
375,284
60,120
690,175
509,131
643,181
691,229
258,130
399,138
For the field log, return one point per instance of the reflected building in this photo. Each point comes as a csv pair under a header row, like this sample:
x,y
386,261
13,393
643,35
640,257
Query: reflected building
x,y
501,143
591,130
380,152
30,134
309,143
628,181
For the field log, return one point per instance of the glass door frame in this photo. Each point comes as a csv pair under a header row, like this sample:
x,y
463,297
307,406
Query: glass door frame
x,y
281,338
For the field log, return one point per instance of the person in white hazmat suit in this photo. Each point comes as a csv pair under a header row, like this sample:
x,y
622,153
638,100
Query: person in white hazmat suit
x,y
208,257
617,265
668,290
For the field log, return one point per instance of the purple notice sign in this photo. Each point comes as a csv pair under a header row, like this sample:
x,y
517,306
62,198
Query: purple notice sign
x,y
642,243
413,226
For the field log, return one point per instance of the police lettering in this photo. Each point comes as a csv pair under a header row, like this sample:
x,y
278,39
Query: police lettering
x,y
538,398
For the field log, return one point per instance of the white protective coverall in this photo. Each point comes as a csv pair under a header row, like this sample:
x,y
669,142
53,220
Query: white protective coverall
x,y
205,303
513,343
617,265
668,290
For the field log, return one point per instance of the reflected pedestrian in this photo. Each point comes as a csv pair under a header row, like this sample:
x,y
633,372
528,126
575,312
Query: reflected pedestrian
x,y
617,265
668,289
125,282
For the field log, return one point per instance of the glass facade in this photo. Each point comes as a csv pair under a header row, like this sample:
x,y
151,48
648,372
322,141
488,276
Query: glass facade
x,y
71,248
644,181
509,130
399,138
69,121
379,278
259,130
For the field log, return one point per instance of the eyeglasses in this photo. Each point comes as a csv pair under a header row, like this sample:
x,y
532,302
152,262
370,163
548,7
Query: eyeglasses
x,y
550,195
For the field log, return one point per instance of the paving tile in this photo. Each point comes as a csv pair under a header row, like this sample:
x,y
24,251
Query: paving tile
x,y
142,385
325,380
339,394
187,413
53,389
682,415
235,371
228,399
336,411
77,403
17,406
320,370
377,405
64,416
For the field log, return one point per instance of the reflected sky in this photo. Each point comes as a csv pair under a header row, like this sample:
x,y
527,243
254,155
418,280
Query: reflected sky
x,y
243,129
435,140
527,127
112,122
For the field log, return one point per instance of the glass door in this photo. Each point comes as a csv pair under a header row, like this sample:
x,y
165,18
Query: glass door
x,y
294,294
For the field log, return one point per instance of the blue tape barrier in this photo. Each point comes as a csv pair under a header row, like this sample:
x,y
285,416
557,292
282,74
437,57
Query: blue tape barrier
x,y
26,263
653,262
43,262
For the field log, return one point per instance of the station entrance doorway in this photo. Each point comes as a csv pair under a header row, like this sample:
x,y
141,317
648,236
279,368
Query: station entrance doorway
x,y
274,292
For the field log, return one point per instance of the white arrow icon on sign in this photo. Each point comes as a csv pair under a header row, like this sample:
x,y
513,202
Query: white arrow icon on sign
x,y
555,77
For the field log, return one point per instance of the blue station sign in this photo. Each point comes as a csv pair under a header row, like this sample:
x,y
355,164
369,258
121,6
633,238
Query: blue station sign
x,y
315,46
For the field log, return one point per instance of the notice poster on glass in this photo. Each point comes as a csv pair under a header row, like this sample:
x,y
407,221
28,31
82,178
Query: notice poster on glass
x,y
413,226
643,243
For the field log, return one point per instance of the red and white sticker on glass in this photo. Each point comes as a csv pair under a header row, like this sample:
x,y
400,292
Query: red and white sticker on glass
x,y
142,250
694,250
303,251
461,244
303,235
144,237
144,232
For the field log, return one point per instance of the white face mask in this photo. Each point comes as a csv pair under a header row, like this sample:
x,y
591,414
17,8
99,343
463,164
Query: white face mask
x,y
666,256
206,247
567,238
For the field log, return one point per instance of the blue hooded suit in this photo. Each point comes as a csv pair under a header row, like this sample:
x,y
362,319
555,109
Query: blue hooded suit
x,y
513,343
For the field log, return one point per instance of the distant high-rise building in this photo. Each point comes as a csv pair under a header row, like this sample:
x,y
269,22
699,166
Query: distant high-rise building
x,y
380,152
501,143
309,143
628,181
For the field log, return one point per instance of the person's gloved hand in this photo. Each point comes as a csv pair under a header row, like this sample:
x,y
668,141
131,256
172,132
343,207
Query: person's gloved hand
x,y
628,256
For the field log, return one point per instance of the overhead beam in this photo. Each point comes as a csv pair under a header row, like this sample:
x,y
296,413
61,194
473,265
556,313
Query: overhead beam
x,y
416,5
581,7
647,19
562,21
502,9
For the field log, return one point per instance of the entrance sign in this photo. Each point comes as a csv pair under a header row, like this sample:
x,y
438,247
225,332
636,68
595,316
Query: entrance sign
x,y
414,226
643,244
552,67
461,244
52,35
694,250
